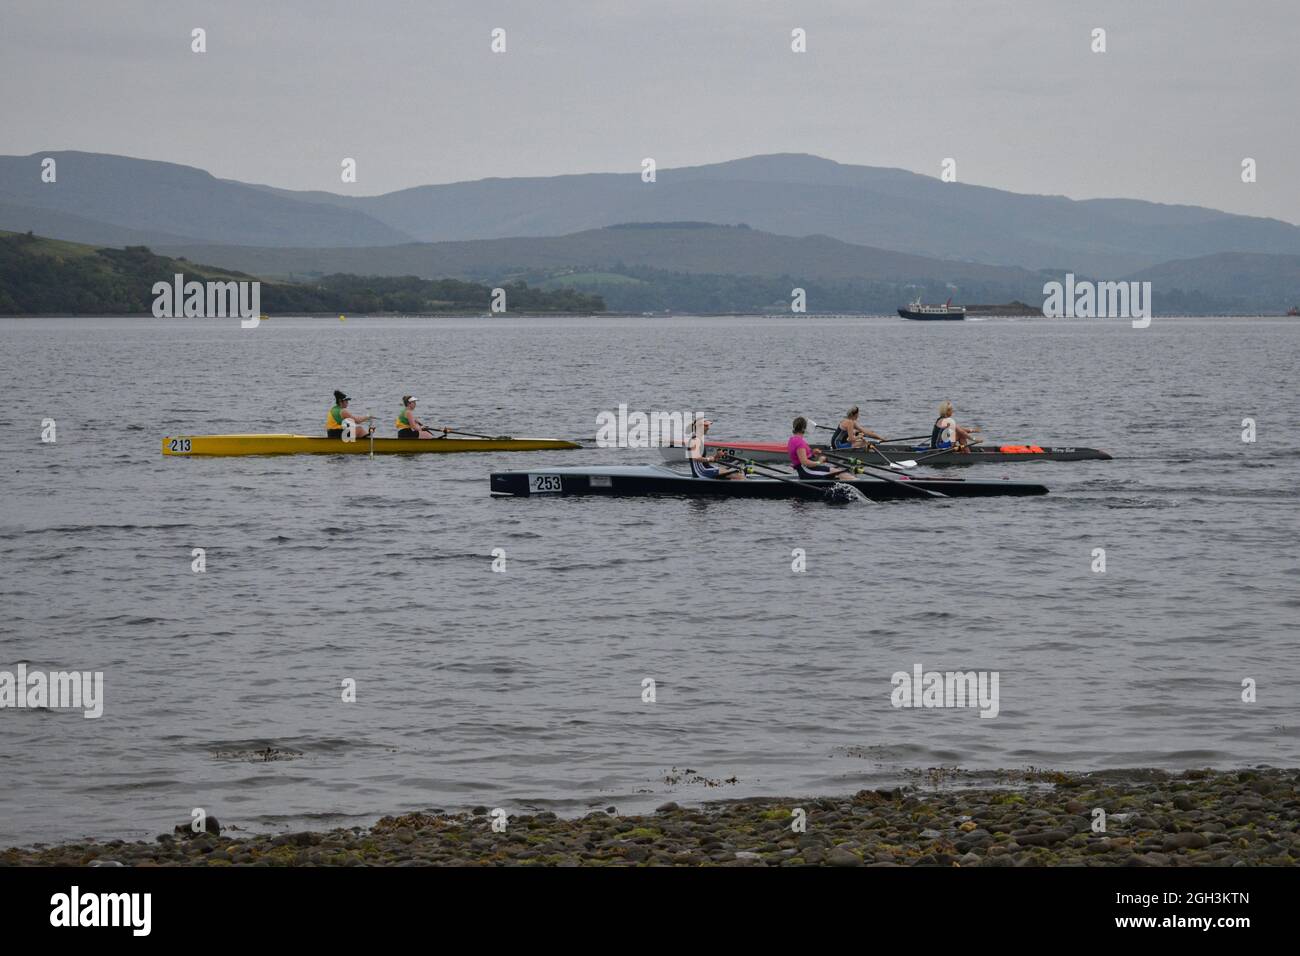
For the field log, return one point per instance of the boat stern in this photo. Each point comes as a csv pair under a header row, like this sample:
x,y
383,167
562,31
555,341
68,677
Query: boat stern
x,y
509,483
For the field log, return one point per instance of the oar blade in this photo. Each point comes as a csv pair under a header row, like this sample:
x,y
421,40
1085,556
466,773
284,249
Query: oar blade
x,y
841,493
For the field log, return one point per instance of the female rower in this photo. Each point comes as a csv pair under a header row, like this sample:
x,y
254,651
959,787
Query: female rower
x,y
805,461
850,434
408,426
702,465
947,433
339,414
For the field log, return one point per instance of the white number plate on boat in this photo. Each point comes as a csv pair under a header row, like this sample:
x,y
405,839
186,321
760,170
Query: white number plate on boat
x,y
179,446
544,485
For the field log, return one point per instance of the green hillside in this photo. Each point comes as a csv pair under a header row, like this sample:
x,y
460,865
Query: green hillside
x,y
40,276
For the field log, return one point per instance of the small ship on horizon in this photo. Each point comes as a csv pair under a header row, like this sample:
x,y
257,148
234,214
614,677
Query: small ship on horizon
x,y
947,311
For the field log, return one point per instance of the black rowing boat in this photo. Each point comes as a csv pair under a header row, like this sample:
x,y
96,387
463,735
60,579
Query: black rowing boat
x,y
653,480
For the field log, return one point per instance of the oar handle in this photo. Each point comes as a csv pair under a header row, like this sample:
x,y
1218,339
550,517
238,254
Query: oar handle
x,y
885,441
881,441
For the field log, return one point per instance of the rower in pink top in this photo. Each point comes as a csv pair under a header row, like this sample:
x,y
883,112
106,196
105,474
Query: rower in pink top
x,y
805,461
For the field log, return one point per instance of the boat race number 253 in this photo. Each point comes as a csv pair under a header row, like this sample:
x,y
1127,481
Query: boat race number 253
x,y
544,485
180,446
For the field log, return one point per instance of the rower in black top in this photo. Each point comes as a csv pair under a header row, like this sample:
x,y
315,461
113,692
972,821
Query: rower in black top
x,y
850,434
946,433
702,465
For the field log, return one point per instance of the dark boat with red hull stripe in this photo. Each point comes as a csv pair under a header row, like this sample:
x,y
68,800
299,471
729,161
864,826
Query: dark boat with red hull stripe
x,y
776,453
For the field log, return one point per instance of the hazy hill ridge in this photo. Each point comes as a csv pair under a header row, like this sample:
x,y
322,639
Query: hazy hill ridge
x,y
785,194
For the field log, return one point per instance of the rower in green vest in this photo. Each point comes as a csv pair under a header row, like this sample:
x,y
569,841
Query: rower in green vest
x,y
408,426
337,415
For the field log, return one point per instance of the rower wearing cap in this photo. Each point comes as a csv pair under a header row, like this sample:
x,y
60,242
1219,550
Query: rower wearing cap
x,y
946,432
340,413
408,426
850,434
805,461
702,465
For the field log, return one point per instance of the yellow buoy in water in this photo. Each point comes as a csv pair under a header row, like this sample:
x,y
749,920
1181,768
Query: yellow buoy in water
x,y
342,319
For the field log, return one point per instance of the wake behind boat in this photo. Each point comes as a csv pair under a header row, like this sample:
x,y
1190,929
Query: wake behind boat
x,y
194,446
654,480
978,454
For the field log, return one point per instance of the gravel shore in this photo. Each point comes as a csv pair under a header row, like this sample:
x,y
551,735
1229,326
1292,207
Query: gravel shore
x,y
1034,818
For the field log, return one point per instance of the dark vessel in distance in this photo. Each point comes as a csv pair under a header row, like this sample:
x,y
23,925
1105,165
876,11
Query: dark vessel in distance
x,y
930,312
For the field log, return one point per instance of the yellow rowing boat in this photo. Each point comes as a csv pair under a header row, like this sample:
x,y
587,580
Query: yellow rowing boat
x,y
190,446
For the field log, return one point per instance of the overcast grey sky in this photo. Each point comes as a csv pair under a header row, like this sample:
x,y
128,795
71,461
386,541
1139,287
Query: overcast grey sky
x,y
1010,88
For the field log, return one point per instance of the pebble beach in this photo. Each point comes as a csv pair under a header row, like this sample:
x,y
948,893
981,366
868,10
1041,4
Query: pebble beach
x,y
946,818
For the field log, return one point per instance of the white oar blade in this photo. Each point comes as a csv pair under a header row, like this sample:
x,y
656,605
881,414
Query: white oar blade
x,y
902,465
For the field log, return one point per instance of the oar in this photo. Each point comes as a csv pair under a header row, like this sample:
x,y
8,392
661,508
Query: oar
x,y
827,428
875,447
950,450
452,431
830,494
827,493
880,441
901,482
886,441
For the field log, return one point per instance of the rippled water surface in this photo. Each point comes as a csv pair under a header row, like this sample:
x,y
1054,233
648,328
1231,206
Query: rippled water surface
x,y
524,688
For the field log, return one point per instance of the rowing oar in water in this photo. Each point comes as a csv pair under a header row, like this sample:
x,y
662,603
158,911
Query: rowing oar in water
x,y
836,493
887,475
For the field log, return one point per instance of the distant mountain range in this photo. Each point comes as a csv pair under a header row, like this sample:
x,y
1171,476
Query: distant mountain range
x,y
785,194
866,237
153,202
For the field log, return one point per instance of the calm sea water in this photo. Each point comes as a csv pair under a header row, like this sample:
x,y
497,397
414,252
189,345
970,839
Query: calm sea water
x,y
524,688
